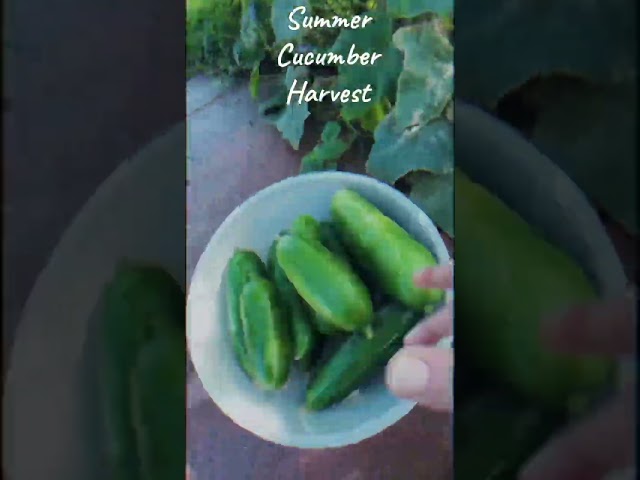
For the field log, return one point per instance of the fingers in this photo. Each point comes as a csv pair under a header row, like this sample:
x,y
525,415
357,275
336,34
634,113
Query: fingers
x,y
602,443
440,276
424,375
604,328
430,330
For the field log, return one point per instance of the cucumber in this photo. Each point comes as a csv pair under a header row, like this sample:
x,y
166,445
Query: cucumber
x,y
267,333
306,227
384,250
298,314
327,284
243,266
158,406
507,279
140,303
358,357
330,238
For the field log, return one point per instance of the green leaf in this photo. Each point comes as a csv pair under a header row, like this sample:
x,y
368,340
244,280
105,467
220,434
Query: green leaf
x,y
382,75
425,85
291,118
434,195
280,11
375,115
501,44
211,30
397,152
329,150
413,8
251,47
271,107
590,132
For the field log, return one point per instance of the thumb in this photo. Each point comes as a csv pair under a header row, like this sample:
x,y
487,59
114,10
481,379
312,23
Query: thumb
x,y
424,375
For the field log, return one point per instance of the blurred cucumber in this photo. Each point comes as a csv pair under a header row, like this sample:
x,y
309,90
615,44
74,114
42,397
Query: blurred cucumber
x,y
158,407
507,278
140,303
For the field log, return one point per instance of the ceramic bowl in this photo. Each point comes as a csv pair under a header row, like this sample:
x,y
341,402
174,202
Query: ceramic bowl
x,y
280,416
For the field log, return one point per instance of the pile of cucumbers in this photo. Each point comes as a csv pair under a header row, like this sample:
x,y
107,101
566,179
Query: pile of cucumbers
x,y
349,278
142,374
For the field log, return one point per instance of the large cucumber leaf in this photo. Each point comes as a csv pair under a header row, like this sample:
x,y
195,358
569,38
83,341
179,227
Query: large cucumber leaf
x,y
251,46
397,152
382,75
328,151
434,195
280,11
425,85
288,119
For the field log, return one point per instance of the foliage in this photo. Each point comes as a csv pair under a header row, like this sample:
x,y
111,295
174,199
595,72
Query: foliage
x,y
212,28
407,125
325,155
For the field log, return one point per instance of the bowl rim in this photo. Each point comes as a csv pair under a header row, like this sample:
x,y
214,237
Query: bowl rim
x,y
379,422
511,150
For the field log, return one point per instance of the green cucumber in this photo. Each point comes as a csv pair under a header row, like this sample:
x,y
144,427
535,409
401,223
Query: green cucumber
x,y
507,279
358,357
140,303
330,238
306,227
158,403
304,335
327,284
267,333
243,266
384,250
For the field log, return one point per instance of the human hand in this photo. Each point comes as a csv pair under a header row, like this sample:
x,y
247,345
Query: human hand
x,y
604,441
422,371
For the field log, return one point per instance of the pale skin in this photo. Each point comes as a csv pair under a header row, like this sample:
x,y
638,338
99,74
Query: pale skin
x,y
422,372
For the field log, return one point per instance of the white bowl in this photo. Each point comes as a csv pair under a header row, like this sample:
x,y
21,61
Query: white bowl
x,y
279,417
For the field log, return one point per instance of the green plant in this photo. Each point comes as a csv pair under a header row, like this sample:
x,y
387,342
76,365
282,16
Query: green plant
x,y
410,112
212,27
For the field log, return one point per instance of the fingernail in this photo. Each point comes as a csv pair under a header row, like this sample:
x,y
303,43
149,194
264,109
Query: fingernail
x,y
407,376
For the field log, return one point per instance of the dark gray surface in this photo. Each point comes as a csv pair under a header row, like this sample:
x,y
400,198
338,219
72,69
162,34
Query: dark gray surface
x,y
85,86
